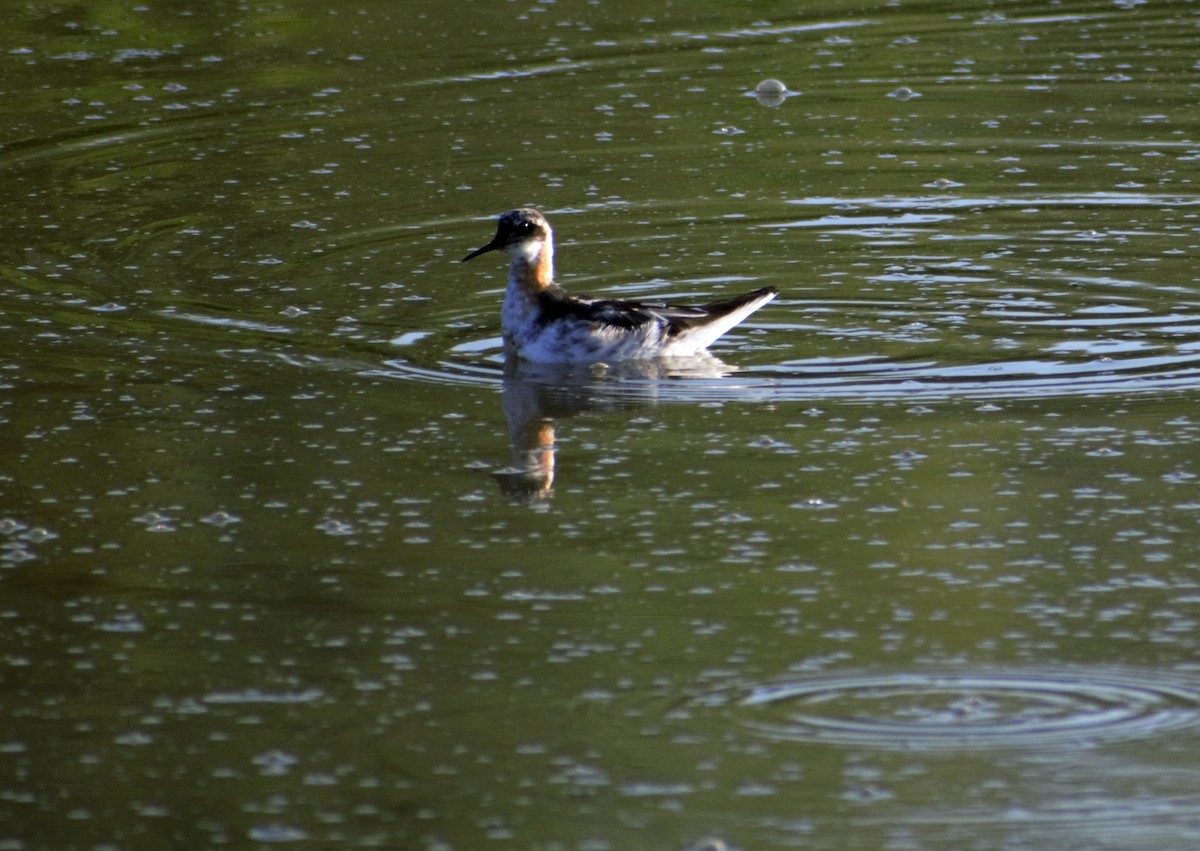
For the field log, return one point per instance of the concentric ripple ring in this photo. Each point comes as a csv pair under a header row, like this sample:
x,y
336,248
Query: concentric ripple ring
x,y
915,711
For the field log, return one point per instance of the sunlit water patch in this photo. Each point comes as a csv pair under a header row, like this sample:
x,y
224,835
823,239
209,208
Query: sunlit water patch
x,y
968,710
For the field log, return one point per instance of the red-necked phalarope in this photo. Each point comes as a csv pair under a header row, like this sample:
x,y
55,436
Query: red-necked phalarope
x,y
543,322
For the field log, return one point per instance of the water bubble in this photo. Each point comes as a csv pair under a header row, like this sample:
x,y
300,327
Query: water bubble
x,y
770,86
277,833
771,92
155,521
220,518
37,535
8,526
275,763
335,527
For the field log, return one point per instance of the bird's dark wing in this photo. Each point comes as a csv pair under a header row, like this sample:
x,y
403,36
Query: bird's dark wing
x,y
556,303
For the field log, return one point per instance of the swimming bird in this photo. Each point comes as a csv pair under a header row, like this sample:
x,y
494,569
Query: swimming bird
x,y
543,322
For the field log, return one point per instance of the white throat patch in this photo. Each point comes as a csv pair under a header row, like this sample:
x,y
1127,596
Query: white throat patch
x,y
529,251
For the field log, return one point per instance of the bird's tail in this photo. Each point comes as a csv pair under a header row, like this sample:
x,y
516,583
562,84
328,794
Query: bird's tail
x,y
694,333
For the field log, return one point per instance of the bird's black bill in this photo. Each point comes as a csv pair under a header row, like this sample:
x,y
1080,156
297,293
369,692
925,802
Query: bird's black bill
x,y
491,246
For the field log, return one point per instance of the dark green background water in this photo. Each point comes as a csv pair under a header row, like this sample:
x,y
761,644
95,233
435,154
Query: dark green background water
x,y
286,558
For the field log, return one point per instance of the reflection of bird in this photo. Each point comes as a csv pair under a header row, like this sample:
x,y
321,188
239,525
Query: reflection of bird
x,y
543,322
531,477
536,396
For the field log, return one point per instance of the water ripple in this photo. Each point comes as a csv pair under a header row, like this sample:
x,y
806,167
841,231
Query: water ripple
x,y
1102,372
964,711
922,326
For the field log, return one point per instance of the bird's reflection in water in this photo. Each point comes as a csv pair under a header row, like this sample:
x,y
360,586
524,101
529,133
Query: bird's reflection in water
x,y
536,396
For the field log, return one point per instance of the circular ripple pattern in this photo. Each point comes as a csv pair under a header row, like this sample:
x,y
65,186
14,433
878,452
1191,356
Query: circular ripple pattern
x,y
809,381
965,711
940,309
